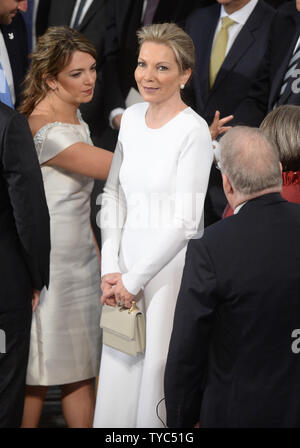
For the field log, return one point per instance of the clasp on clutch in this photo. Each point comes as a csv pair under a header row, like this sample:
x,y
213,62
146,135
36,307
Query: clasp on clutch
x,y
134,307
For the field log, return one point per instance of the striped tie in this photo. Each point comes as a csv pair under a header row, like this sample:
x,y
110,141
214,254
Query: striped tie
x,y
293,71
77,22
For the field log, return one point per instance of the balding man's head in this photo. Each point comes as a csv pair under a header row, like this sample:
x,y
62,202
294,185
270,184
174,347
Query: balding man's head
x,y
250,161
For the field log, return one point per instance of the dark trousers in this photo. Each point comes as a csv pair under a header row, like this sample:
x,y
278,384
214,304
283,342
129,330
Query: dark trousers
x,y
14,349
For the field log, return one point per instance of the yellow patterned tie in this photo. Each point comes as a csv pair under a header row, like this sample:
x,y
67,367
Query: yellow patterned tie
x,y
219,49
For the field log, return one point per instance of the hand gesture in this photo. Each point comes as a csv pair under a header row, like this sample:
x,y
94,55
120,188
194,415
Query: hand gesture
x,y
217,127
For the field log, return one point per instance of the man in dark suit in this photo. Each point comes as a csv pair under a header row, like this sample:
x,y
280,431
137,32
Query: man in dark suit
x,y
13,30
24,256
282,56
223,88
231,361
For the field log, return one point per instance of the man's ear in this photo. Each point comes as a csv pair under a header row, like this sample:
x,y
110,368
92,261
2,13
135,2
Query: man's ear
x,y
227,187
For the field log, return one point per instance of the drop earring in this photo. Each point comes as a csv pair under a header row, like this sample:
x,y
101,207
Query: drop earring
x,y
182,86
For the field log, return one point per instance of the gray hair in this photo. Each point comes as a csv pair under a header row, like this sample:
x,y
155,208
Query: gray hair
x,y
249,160
175,38
282,125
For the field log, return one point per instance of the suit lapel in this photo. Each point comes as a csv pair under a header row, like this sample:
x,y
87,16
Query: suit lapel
x,y
124,9
284,48
96,4
203,45
242,43
66,9
10,39
61,15
165,10
131,21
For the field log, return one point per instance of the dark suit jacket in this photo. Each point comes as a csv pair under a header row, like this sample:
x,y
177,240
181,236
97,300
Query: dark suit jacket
x,y
24,218
15,37
265,90
121,47
93,27
240,65
233,81
230,360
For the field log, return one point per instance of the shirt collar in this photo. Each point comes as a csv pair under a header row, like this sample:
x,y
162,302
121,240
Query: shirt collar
x,y
238,208
241,16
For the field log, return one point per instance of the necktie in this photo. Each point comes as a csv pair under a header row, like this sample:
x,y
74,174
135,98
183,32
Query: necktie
x,y
150,11
28,18
219,49
78,14
290,77
5,96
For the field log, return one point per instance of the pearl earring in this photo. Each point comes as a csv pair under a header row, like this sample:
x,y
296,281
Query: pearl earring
x,y
182,86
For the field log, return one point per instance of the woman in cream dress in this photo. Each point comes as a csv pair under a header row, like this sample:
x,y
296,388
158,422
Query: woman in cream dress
x,y
152,205
65,335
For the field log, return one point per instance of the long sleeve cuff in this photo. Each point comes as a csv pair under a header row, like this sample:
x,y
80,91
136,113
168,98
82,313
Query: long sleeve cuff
x,y
133,283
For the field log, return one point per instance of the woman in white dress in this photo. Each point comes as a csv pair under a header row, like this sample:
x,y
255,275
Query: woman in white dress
x,y
65,334
152,205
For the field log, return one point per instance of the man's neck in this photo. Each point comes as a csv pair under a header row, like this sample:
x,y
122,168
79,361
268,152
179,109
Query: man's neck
x,y
235,6
240,199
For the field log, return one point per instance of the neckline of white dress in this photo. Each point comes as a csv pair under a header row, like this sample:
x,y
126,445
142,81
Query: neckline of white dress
x,y
167,123
49,125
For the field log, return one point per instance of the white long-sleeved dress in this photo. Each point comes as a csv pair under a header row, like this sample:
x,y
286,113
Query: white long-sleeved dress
x,y
152,205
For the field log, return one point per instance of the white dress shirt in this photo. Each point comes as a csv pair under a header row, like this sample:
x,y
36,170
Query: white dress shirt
x,y
84,10
34,14
240,17
4,58
297,46
238,207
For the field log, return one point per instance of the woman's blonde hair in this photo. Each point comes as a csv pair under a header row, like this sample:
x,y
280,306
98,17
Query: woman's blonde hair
x,y
282,125
175,38
52,54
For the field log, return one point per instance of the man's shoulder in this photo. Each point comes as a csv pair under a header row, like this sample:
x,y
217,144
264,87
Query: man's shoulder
x,y
263,6
203,13
288,8
286,15
215,234
7,114
265,208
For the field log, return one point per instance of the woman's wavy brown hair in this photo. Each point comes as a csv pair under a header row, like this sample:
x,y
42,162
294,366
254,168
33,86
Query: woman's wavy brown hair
x,y
52,54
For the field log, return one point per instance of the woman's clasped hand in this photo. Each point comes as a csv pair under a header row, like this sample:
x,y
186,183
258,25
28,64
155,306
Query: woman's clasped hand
x,y
114,292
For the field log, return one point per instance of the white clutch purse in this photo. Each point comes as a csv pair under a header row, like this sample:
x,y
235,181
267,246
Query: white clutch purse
x,y
124,329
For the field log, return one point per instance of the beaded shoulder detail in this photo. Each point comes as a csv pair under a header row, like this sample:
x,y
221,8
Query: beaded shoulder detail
x,y
41,134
